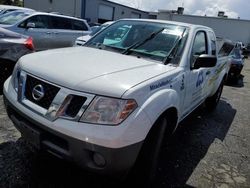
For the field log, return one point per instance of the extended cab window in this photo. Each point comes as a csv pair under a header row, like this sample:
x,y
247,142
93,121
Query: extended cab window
x,y
40,21
199,46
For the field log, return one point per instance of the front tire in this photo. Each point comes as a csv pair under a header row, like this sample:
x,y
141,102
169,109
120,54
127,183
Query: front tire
x,y
144,172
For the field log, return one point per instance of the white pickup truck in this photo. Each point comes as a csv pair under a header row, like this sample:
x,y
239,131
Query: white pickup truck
x,y
108,105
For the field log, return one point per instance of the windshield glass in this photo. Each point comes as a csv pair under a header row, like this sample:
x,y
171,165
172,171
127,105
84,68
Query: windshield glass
x,y
13,17
96,30
143,39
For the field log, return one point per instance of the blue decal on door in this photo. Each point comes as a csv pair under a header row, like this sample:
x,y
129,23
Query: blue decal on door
x,y
200,79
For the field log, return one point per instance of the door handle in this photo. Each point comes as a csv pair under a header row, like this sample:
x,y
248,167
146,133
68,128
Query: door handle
x,y
208,72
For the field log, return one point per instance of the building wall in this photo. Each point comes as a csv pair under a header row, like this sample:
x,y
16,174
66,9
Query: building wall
x,y
92,10
88,9
66,7
234,29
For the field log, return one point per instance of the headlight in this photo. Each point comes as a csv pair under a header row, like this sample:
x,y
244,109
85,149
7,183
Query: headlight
x,y
15,77
108,111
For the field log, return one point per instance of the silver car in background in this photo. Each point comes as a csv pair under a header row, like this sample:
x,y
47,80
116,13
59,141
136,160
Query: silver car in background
x,y
47,30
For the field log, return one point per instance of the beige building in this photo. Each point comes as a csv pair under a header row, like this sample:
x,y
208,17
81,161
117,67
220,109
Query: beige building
x,y
233,29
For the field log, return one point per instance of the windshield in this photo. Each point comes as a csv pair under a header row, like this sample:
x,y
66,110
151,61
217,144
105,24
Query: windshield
x,y
96,30
143,39
13,17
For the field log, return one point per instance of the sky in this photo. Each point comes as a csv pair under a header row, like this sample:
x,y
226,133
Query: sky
x,y
232,8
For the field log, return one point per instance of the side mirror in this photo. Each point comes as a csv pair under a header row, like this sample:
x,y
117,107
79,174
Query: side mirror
x,y
205,60
30,25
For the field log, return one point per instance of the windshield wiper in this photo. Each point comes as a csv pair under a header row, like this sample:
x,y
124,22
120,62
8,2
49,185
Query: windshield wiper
x,y
139,43
173,51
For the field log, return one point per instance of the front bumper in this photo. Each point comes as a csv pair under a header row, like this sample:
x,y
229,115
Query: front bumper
x,y
95,158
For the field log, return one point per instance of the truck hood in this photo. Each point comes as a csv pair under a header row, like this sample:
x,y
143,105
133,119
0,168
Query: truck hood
x,y
92,70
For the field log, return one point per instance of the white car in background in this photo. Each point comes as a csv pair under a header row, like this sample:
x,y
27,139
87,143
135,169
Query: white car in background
x,y
83,39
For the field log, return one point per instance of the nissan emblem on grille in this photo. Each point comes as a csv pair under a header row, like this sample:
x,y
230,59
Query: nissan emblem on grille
x,y
38,92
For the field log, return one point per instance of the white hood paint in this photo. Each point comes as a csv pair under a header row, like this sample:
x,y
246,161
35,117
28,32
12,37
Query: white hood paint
x,y
92,70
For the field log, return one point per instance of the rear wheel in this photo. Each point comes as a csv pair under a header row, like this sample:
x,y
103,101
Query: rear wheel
x,y
212,102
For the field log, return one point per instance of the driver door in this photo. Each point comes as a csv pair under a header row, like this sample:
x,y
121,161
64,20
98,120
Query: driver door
x,y
197,79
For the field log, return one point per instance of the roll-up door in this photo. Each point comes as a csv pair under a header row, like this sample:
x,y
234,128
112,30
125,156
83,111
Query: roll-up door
x,y
106,13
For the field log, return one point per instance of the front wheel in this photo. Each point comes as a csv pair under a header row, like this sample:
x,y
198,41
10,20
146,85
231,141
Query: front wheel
x,y
144,171
212,102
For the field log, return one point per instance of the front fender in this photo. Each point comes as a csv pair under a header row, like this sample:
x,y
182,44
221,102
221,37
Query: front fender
x,y
159,102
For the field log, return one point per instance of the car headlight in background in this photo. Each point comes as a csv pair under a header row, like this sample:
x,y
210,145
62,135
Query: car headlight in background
x,y
108,111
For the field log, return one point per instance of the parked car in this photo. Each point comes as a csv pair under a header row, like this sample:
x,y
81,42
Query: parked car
x,y
47,30
9,8
12,47
240,45
112,107
237,63
95,29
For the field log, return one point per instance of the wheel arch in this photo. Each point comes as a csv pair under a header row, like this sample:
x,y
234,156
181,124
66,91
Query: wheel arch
x,y
163,103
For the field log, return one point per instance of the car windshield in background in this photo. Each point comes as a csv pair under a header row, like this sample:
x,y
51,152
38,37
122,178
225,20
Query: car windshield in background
x,y
236,53
13,17
143,39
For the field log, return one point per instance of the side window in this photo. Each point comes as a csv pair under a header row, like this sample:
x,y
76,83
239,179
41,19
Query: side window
x,y
199,46
40,21
60,23
79,25
212,42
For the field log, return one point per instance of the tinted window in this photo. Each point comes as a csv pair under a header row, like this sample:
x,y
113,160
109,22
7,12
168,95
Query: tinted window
x,y
60,23
79,25
199,46
40,21
213,42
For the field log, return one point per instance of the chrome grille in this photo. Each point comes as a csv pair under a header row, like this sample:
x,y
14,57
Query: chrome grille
x,y
50,91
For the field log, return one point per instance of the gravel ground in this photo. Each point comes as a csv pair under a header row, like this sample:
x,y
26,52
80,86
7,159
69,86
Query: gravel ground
x,y
207,150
